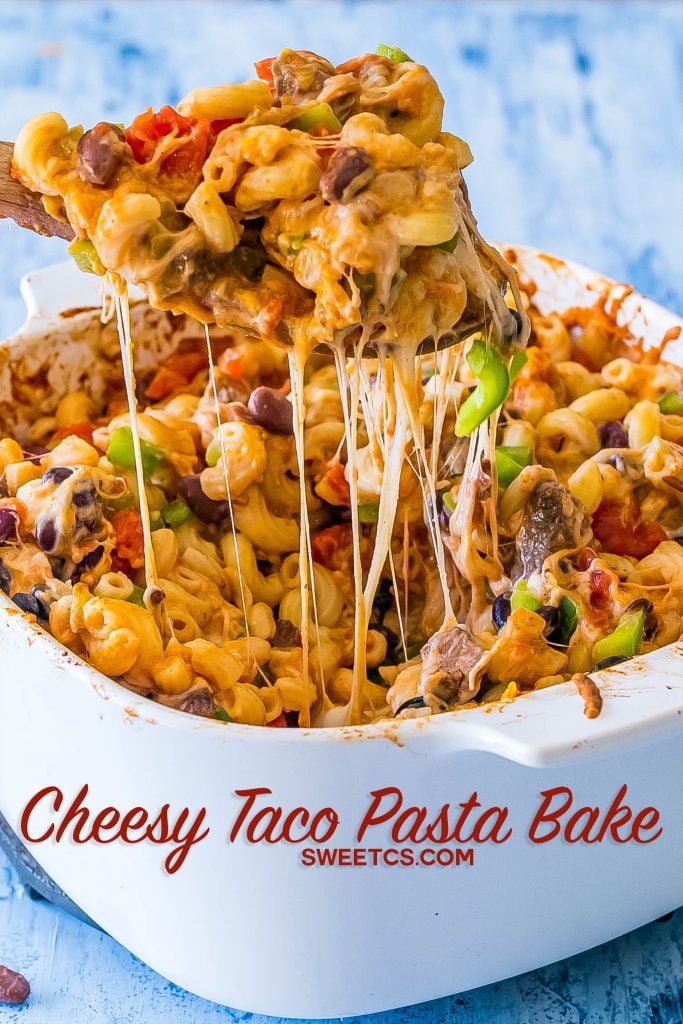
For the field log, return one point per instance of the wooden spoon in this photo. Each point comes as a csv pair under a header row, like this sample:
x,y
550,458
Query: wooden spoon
x,y
24,207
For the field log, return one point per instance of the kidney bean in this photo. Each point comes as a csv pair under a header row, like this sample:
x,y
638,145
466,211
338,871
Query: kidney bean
x,y
500,611
9,521
14,987
5,579
99,154
271,410
46,534
57,474
286,634
349,171
190,489
613,435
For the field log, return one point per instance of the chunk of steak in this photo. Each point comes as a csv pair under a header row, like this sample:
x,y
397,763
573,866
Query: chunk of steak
x,y
553,521
447,660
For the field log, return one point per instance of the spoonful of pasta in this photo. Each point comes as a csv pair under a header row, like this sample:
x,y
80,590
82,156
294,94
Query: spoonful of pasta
x,y
314,204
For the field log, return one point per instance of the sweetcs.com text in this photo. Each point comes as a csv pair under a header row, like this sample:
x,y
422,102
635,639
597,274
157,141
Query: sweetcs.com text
x,y
391,832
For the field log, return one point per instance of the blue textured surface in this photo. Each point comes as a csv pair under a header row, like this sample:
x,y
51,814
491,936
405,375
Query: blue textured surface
x,y
574,115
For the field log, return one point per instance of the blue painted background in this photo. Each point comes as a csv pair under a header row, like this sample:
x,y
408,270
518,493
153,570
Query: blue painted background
x,y
574,114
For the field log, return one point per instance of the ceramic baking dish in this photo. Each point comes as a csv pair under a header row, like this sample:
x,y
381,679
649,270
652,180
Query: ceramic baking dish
x,y
246,924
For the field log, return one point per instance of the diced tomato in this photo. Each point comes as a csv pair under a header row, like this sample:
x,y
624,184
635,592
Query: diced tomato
x,y
128,537
175,374
164,383
223,122
264,70
119,564
187,363
334,487
231,363
149,128
332,545
619,530
83,430
278,723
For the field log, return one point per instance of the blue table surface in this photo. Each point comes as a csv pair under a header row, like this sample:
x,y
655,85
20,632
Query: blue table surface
x,y
574,114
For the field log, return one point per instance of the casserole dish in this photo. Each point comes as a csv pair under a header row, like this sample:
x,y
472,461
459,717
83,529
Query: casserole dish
x,y
247,923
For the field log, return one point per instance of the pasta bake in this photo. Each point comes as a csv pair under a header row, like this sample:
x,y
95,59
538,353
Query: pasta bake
x,y
320,509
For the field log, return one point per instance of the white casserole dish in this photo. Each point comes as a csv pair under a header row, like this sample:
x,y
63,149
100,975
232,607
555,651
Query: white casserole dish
x,y
247,925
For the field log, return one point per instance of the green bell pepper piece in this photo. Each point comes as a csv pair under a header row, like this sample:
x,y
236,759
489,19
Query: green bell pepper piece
x,y
393,53
368,511
452,243
85,257
568,620
121,453
175,513
511,460
494,381
448,503
625,641
517,363
318,114
522,597
137,597
671,404
222,715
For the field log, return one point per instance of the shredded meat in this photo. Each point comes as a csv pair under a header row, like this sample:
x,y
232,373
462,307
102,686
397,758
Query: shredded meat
x,y
553,521
447,660
588,689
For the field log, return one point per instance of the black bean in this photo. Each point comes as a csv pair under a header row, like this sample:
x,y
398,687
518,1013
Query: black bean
x,y
190,489
57,475
5,579
414,702
551,616
613,435
100,152
28,603
9,520
286,634
349,171
384,599
616,659
39,593
84,496
88,561
271,410
156,595
517,317
46,534
500,612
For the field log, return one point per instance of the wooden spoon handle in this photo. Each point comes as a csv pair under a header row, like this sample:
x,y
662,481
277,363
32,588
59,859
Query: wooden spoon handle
x,y
23,206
